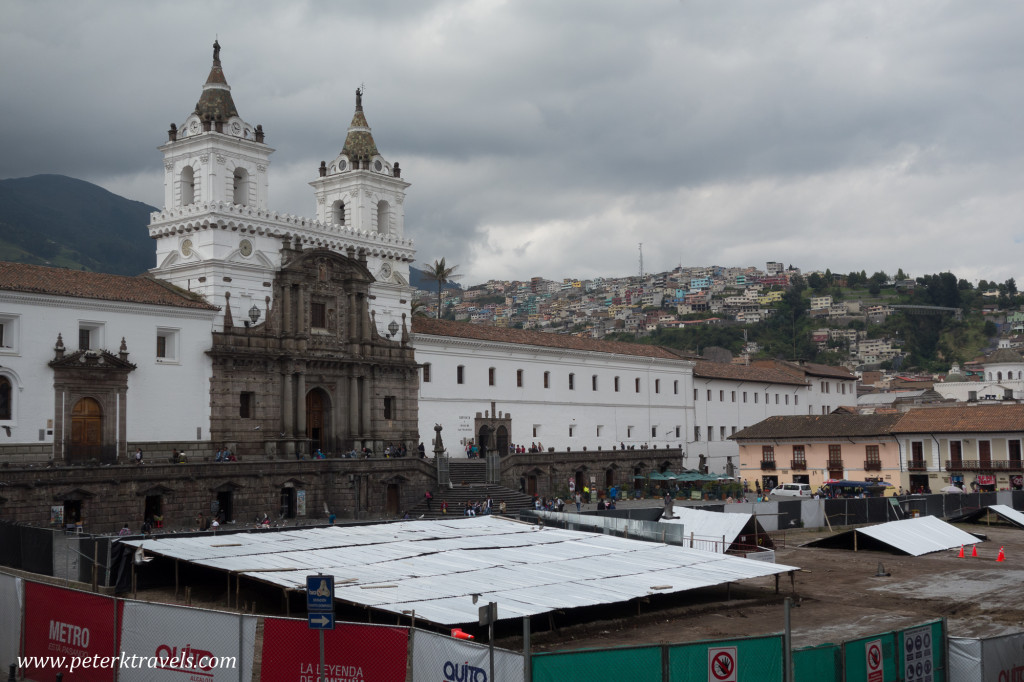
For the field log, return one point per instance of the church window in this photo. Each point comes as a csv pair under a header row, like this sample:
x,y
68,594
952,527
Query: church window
x,y
696,434
383,217
318,315
675,388
246,401
460,374
519,378
5,399
654,432
547,379
572,382
657,385
572,431
636,383
616,384
9,334
241,187
426,373
593,383
188,186
390,404
167,345
999,376
338,212
490,376
84,337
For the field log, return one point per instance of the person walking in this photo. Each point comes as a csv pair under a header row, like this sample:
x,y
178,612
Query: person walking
x,y
429,498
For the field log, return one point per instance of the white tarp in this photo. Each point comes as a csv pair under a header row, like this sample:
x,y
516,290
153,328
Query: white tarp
x,y
186,638
998,659
439,657
12,597
435,567
708,525
919,536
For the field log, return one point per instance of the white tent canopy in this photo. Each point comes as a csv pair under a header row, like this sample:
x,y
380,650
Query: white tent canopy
x,y
436,567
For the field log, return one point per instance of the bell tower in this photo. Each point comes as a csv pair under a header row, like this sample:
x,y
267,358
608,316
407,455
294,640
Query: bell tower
x,y
360,190
215,156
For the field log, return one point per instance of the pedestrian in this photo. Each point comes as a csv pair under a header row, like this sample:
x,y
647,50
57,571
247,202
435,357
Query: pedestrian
x,y
429,498
444,507
502,507
579,501
124,530
138,455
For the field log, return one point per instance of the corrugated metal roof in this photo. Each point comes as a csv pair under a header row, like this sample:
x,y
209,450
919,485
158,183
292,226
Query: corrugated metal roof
x,y
911,536
435,567
1008,513
708,524
919,536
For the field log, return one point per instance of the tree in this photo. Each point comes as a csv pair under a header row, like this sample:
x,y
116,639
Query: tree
x,y
440,272
900,275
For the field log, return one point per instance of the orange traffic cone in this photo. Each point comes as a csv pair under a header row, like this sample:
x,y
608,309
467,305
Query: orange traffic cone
x,y
974,550
1001,557
457,633
961,554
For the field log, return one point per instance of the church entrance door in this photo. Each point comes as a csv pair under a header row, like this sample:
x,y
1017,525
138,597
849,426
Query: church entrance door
x,y
86,431
317,412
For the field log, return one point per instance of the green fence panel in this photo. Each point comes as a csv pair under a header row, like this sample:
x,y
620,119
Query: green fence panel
x,y
923,653
823,663
874,658
636,664
744,659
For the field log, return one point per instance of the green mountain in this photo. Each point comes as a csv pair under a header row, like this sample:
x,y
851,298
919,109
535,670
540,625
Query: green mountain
x,y
64,222
61,221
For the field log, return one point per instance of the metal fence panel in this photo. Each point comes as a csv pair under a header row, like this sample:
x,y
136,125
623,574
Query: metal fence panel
x,y
822,663
871,654
11,601
636,664
291,651
923,653
750,658
965,660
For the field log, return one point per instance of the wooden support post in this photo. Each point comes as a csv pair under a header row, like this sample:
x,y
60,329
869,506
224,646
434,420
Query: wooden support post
x,y
175,580
227,596
776,583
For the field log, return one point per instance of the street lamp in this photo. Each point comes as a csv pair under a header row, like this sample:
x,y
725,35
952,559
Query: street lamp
x,y
393,328
254,313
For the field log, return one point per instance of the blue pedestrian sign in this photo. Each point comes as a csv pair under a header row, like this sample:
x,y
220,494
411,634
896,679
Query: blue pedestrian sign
x,y
321,621
320,593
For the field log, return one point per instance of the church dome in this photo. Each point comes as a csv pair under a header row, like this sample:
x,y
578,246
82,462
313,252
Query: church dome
x,y
216,104
1004,356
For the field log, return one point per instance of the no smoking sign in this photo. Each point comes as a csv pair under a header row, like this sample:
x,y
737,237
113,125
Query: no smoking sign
x,y
722,664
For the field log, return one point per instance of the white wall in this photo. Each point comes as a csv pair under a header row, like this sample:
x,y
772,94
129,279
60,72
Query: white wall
x,y
623,417
167,400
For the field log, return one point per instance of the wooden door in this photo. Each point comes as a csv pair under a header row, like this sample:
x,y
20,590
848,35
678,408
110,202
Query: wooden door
x,y
315,420
86,431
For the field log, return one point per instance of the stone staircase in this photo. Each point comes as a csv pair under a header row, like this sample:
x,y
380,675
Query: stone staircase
x,y
469,484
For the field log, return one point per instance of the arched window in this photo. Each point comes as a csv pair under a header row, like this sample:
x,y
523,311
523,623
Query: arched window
x,y
6,409
383,217
338,212
241,187
188,186
426,373
999,376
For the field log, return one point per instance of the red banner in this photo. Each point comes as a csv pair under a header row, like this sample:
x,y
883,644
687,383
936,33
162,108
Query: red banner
x,y
986,479
360,653
69,632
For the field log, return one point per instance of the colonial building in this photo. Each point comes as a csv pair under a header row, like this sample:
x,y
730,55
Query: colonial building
x,y
971,446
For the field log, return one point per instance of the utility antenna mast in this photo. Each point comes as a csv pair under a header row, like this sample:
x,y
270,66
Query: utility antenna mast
x,y
641,260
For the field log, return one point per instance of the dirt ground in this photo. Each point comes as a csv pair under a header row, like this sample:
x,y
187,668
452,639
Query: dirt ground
x,y
838,596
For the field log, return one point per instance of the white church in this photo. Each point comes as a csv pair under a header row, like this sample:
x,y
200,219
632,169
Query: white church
x,y
275,334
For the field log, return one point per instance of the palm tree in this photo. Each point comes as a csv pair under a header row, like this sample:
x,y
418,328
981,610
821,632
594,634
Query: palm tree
x,y
440,272
419,309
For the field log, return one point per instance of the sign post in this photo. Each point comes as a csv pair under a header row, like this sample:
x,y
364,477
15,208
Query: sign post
x,y
320,609
489,614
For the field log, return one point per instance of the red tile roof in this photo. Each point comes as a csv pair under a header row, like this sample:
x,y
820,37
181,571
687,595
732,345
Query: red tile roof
x,y
463,330
39,279
717,370
963,419
835,425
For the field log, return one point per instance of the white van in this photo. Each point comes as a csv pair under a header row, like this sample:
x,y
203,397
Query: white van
x,y
792,490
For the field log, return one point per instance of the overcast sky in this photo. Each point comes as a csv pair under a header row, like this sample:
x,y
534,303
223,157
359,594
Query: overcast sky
x,y
551,137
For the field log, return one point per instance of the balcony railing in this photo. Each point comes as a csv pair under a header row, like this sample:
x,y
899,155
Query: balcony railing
x,y
768,465
798,464
834,464
872,465
984,465
917,465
